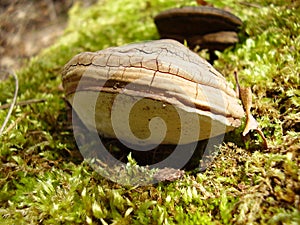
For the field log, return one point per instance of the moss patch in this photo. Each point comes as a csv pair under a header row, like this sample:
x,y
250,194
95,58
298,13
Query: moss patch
x,y
42,181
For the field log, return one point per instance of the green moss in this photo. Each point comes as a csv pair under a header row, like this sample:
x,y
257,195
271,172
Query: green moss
x,y
41,180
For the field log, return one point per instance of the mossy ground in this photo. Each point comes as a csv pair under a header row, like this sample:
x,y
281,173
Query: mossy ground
x,y
41,182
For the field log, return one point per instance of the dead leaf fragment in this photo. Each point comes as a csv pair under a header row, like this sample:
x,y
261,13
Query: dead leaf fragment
x,y
245,94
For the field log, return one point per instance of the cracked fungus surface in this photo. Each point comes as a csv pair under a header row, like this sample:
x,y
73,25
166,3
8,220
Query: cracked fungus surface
x,y
165,66
162,72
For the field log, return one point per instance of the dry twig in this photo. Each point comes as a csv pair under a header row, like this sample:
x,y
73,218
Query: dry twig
x,y
13,102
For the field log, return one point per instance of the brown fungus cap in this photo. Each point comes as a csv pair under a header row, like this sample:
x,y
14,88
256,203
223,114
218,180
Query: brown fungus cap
x,y
165,79
209,27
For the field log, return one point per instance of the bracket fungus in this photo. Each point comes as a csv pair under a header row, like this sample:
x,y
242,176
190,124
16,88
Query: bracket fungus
x,y
154,92
205,26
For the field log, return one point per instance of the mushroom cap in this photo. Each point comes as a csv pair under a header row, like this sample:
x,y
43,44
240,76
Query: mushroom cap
x,y
119,90
195,20
192,22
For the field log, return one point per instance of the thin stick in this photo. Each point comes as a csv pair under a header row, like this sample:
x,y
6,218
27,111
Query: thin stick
x,y
23,103
251,4
11,126
13,102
